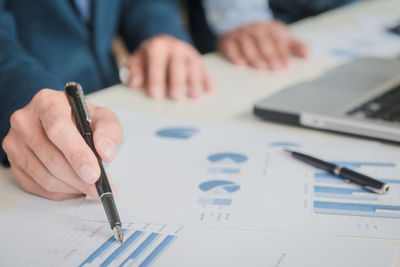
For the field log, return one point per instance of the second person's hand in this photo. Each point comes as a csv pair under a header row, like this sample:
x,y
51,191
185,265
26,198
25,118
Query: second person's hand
x,y
168,67
267,45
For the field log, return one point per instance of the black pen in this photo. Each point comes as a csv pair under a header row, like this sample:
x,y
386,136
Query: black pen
x,y
347,174
82,117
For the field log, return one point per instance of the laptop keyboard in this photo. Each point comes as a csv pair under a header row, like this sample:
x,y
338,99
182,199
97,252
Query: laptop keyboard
x,y
385,107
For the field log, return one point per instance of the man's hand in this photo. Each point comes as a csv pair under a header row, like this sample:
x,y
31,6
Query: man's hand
x,y
263,45
48,156
167,66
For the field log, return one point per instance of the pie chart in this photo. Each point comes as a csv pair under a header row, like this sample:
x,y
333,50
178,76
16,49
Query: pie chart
x,y
228,157
177,132
228,186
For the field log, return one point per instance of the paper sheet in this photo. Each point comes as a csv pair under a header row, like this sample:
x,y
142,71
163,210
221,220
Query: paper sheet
x,y
367,36
50,238
189,174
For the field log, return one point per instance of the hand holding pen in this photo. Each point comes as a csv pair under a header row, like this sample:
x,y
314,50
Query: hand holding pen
x,y
47,153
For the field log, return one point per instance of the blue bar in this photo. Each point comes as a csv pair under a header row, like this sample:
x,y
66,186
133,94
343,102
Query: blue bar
x,y
157,251
346,193
390,181
215,201
230,171
102,249
355,164
357,213
128,242
222,201
139,250
338,190
327,176
353,206
224,170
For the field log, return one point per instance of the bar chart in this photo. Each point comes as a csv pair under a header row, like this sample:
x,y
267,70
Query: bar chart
x,y
93,245
335,196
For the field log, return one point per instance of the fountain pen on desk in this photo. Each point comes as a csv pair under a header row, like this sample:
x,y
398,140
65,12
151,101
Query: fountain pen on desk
x,y
347,174
82,117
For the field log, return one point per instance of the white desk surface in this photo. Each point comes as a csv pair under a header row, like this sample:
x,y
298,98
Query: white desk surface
x,y
237,88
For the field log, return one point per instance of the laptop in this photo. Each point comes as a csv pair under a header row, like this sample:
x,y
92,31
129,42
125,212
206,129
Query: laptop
x,y
360,98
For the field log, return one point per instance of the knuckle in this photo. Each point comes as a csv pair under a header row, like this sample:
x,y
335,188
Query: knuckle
x,y
17,119
78,156
6,144
43,95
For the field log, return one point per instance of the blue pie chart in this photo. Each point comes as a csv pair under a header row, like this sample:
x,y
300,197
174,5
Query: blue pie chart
x,y
233,157
228,186
177,132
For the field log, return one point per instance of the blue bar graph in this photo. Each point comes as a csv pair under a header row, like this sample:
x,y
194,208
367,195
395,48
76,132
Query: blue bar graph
x,y
347,193
357,164
141,248
121,249
101,250
157,251
356,209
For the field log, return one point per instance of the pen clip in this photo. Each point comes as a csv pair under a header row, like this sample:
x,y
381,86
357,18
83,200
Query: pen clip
x,y
83,102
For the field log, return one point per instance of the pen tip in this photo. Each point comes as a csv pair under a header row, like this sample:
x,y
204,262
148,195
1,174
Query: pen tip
x,y
118,234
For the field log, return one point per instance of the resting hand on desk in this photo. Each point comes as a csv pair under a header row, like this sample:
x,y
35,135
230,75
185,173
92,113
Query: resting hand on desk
x,y
48,156
261,45
168,67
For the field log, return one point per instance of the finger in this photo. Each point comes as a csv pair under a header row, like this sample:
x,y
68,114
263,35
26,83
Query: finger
x,y
157,57
207,83
38,172
282,51
107,132
29,185
195,73
55,162
62,132
136,69
249,49
230,48
177,77
299,49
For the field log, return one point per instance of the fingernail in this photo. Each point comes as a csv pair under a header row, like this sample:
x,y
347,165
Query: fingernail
x,y
177,94
157,93
135,82
241,62
88,174
196,92
261,64
108,148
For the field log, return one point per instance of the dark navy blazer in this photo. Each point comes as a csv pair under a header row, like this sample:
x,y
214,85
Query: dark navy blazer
x,y
45,43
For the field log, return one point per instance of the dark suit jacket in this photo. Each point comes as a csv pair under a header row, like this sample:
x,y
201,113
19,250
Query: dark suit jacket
x,y
45,43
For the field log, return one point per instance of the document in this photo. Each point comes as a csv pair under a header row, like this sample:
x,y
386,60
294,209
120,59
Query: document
x,y
51,238
180,173
367,36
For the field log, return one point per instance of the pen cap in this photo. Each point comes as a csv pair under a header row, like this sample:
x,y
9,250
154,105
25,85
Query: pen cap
x,y
79,108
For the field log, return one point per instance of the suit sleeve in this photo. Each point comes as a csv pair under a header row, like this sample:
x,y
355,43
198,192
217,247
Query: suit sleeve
x,y
21,76
143,19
